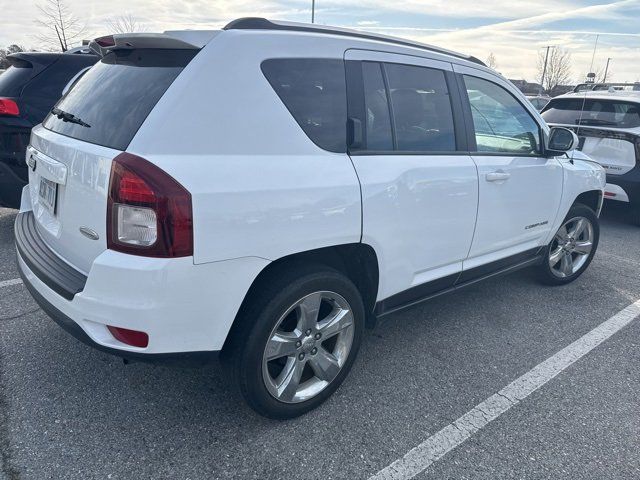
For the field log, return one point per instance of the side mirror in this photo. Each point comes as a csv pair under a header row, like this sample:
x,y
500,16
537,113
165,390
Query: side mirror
x,y
561,140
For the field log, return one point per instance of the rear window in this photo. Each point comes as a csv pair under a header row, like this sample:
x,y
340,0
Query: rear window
x,y
14,79
604,113
117,94
314,91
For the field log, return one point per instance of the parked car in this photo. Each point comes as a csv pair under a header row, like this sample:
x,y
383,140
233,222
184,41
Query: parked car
x,y
607,120
264,191
28,89
538,101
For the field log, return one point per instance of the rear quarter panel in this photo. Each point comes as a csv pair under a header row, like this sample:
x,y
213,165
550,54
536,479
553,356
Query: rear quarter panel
x,y
260,187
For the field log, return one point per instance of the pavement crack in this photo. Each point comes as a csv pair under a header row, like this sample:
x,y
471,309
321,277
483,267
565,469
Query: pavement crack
x,y
19,315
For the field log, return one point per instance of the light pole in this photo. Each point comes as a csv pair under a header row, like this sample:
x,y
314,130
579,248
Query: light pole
x,y
313,11
606,71
544,70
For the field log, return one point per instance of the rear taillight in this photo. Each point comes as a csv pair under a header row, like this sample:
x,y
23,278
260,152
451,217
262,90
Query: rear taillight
x,y
9,107
148,212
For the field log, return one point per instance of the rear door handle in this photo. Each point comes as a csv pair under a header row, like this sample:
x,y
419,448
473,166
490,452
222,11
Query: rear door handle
x,y
498,176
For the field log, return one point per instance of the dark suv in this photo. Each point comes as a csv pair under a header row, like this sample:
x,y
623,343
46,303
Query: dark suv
x,y
28,90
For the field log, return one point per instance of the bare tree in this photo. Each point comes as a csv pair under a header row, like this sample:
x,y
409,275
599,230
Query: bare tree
x,y
60,25
126,23
4,63
491,61
558,70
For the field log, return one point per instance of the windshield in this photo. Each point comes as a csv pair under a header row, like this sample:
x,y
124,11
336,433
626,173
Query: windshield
x,y
111,101
605,113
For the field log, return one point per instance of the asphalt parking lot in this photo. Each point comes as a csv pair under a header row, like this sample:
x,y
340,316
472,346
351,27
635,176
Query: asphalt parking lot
x,y
67,411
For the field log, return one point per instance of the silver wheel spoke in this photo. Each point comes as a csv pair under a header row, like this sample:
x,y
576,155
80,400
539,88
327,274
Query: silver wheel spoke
x,y
335,324
282,344
555,256
579,227
583,248
309,309
566,265
324,365
562,235
289,379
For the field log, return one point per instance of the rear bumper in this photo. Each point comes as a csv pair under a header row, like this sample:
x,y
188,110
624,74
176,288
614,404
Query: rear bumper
x,y
629,183
187,310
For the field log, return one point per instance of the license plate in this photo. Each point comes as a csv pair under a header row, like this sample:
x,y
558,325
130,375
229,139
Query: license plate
x,y
48,193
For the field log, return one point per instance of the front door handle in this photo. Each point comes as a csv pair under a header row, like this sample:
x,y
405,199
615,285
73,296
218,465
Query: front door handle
x,y
498,176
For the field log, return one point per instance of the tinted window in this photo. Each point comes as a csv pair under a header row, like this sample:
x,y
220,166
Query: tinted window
x,y
378,120
13,80
117,94
502,124
50,83
422,114
314,91
604,113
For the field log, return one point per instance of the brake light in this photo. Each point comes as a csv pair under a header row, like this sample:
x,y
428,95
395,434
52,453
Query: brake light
x,y
148,212
106,41
9,107
130,337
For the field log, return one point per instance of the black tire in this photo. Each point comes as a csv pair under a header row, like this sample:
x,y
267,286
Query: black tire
x,y
257,319
545,273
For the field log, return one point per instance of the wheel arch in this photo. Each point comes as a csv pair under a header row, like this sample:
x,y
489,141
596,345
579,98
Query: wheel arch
x,y
357,261
592,199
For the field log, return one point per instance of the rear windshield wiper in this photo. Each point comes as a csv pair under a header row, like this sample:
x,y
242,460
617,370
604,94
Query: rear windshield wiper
x,y
595,121
68,117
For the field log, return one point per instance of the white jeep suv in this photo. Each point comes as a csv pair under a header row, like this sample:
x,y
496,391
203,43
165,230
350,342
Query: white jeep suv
x,y
606,118
267,190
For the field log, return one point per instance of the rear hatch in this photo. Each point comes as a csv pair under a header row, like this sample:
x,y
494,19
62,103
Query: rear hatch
x,y
608,129
71,153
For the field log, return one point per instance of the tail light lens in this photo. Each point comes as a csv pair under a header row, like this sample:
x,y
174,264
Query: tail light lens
x,y
148,212
9,107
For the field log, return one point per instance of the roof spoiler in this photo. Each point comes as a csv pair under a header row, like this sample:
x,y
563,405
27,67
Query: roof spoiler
x,y
37,61
131,41
604,86
258,23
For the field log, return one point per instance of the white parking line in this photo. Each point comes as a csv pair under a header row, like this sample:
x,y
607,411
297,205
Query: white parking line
x,y
438,445
14,281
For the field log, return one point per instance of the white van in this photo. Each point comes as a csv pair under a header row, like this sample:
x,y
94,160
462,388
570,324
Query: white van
x,y
267,190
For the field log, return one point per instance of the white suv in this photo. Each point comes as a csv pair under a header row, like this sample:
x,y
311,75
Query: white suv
x,y
267,190
606,118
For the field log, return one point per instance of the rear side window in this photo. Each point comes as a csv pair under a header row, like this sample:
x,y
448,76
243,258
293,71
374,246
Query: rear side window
x,y
115,96
421,106
14,79
604,113
314,91
502,124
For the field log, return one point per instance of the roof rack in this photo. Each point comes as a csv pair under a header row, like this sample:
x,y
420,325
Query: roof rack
x,y
591,87
258,23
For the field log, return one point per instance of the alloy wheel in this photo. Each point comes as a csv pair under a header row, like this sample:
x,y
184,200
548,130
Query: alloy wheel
x,y
308,347
571,247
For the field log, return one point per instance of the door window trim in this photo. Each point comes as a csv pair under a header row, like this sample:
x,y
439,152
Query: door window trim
x,y
356,108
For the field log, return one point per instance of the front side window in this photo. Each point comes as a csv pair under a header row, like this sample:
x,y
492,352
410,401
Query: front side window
x,y
421,106
502,124
314,91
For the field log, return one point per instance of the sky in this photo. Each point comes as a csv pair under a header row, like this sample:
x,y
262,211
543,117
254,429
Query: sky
x,y
515,31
